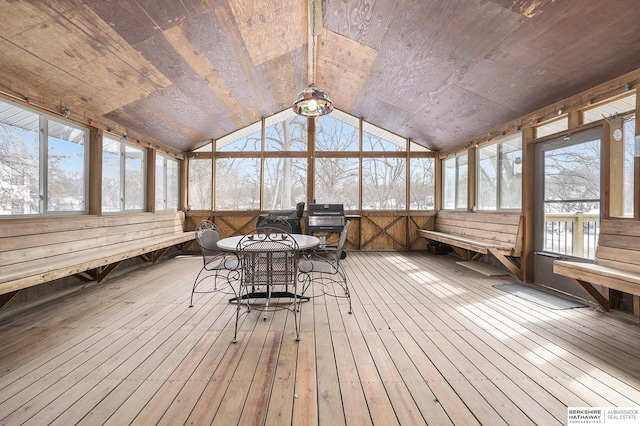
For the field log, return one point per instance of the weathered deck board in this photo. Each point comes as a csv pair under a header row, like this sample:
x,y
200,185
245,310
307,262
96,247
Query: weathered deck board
x,y
428,343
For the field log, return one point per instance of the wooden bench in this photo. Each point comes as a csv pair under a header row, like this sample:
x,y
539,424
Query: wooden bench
x,y
38,250
473,234
616,264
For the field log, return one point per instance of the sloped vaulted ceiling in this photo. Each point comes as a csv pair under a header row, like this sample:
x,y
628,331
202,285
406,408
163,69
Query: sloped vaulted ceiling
x,y
436,71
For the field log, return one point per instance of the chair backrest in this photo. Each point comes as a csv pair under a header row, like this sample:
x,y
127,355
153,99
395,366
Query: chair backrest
x,y
258,240
341,241
206,224
274,225
207,236
268,258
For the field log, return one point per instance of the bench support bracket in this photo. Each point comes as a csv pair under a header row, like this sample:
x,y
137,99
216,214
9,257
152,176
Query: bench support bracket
x,y
464,254
515,270
7,297
593,292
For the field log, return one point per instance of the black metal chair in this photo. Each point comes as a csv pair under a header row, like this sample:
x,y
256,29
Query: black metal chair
x,y
322,267
268,260
221,267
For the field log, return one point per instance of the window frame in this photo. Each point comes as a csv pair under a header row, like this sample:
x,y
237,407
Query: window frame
x,y
43,162
123,189
456,182
500,154
397,149
164,205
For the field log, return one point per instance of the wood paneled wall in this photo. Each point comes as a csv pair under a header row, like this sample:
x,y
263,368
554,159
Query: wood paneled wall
x,y
369,231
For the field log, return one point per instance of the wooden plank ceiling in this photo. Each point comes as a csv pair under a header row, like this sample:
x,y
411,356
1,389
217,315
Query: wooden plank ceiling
x,y
184,72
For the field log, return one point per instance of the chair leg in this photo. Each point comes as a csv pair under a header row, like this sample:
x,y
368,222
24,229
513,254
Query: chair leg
x,y
235,332
213,275
297,315
266,303
238,307
296,310
195,284
343,276
306,283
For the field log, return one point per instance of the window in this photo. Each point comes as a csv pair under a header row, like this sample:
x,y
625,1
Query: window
x,y
377,139
621,151
285,178
268,177
337,132
247,139
337,181
285,182
167,183
422,183
111,176
488,177
384,183
629,132
551,127
285,131
500,174
609,108
200,184
571,194
455,181
384,179
173,184
238,184
43,163
618,112
123,176
462,181
266,166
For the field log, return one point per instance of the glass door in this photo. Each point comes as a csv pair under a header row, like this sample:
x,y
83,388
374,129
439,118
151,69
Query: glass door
x,y
567,204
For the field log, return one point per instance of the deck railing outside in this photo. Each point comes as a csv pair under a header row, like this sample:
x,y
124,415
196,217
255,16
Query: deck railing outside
x,y
574,234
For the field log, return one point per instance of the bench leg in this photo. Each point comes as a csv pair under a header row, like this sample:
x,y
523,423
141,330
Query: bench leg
x,y
464,254
602,301
158,254
102,273
7,297
507,263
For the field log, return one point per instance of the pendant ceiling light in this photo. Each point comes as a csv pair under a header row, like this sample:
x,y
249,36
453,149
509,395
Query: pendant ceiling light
x,y
312,101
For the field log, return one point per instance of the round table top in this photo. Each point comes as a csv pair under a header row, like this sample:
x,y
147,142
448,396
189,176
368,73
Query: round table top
x,y
304,242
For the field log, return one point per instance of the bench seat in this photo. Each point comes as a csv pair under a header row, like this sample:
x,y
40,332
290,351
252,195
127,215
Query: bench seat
x,y
40,271
466,243
38,251
616,264
472,235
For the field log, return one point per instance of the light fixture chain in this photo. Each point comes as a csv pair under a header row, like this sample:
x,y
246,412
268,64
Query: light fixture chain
x,y
313,44
312,101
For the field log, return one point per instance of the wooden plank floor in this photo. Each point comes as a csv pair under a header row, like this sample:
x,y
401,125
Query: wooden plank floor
x,y
429,342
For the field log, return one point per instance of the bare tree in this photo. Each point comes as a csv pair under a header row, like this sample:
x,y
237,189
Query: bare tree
x,y
18,170
572,177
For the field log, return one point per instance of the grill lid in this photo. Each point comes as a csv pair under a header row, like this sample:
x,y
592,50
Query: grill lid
x,y
326,210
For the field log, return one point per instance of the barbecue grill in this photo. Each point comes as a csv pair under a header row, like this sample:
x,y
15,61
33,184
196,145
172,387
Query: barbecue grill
x,y
325,218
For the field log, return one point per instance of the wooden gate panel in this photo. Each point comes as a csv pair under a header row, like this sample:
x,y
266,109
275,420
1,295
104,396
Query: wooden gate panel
x,y
383,233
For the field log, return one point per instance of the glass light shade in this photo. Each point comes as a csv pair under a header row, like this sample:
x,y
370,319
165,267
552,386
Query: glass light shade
x,y
312,102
